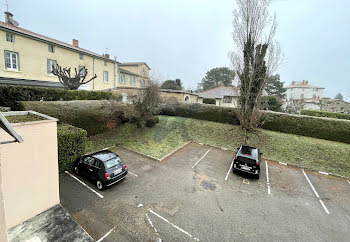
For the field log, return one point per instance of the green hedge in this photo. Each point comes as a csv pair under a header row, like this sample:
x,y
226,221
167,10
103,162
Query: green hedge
x,y
11,96
71,145
201,111
95,116
325,114
209,101
328,129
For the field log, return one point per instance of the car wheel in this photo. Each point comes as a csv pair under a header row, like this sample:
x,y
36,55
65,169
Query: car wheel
x,y
76,170
257,176
99,185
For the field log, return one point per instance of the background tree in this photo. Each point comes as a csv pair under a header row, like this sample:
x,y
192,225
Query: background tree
x,y
216,77
256,55
171,84
272,103
71,82
274,86
339,96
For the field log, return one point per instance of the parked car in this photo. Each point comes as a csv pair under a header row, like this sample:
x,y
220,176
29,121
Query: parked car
x,y
105,168
248,160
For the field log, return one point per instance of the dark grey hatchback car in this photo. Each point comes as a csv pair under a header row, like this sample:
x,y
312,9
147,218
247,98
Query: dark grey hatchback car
x,y
248,160
105,168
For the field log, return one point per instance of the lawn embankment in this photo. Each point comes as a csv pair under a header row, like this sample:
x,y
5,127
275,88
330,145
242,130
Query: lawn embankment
x,y
172,132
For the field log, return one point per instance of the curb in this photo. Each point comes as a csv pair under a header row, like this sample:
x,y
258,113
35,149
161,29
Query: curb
x,y
139,153
174,151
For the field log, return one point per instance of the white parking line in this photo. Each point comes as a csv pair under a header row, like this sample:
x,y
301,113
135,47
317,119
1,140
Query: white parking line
x,y
228,172
175,226
154,228
108,233
324,207
85,185
132,174
267,179
201,158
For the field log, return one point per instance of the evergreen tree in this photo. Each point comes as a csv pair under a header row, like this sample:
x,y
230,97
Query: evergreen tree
x,y
171,84
339,96
274,86
216,77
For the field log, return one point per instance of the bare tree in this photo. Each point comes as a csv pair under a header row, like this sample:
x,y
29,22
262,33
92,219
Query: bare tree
x,y
71,82
256,55
145,104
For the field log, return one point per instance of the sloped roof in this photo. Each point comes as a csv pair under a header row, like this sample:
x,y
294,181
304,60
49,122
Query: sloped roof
x,y
302,85
128,72
220,92
134,64
31,34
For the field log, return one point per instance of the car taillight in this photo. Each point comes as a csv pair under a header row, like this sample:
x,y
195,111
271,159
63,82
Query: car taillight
x,y
235,157
125,167
107,176
257,163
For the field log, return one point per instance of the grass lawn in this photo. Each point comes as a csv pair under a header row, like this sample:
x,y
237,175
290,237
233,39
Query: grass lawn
x,y
23,118
172,132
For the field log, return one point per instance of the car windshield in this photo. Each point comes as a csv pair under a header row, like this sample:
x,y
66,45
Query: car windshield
x,y
249,151
113,162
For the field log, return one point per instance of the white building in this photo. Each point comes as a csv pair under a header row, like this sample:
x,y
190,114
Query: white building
x,y
308,96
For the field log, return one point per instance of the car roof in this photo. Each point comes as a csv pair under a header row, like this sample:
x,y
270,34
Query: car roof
x,y
103,155
248,150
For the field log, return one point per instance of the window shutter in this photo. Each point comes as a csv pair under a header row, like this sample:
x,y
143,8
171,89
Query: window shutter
x,y
48,66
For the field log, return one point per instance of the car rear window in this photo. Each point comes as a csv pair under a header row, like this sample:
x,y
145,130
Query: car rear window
x,y
113,162
249,151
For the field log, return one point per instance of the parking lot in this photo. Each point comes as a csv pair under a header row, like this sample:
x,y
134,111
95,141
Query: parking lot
x,y
193,196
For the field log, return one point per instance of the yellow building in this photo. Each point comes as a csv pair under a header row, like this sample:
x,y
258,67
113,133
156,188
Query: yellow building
x,y
29,57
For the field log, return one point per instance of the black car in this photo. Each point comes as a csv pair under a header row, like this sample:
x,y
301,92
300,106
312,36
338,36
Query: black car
x,y
104,168
248,160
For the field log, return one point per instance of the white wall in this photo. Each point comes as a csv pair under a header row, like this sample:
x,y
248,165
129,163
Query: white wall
x,y
297,92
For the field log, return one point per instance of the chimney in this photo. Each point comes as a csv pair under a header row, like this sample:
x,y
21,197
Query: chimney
x,y
293,83
106,56
75,42
306,83
8,17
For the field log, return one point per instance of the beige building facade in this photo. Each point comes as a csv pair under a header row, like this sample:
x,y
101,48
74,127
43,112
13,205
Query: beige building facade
x,y
30,56
28,170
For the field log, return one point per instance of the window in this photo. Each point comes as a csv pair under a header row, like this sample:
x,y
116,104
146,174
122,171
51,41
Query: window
x,y
82,74
131,81
81,56
51,64
134,80
105,76
227,100
142,82
10,37
11,59
89,160
105,63
113,162
52,48
122,79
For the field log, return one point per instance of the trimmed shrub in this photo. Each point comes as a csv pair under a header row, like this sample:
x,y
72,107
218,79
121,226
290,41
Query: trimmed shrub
x,y
151,121
322,128
325,114
71,145
201,111
92,115
11,96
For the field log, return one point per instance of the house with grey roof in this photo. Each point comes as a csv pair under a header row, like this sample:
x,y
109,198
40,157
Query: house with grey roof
x,y
223,96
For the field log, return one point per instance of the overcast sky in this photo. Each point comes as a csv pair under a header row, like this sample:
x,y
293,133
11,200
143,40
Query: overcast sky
x,y
185,38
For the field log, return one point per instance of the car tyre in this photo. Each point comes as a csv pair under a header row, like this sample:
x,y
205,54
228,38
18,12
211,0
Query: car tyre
x,y
76,170
99,185
257,176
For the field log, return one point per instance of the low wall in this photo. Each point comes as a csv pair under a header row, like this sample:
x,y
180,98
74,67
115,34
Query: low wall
x,y
29,171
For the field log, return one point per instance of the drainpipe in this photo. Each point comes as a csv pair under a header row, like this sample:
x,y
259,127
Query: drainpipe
x,y
93,72
115,72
